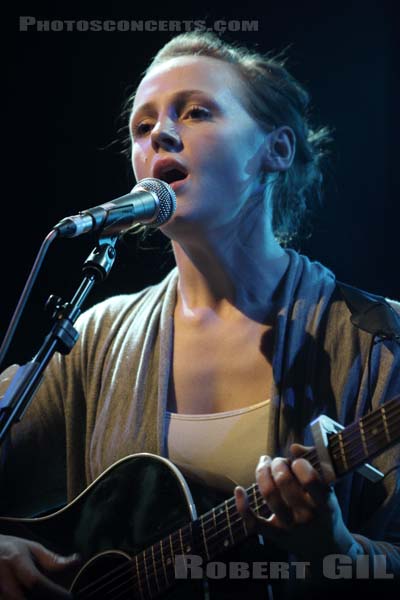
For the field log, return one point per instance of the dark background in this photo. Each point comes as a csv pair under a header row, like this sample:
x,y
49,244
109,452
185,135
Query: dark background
x,y
64,94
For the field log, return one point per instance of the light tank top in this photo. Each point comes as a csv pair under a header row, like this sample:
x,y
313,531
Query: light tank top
x,y
227,444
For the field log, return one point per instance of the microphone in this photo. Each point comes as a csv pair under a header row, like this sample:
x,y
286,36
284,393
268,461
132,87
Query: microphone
x,y
151,202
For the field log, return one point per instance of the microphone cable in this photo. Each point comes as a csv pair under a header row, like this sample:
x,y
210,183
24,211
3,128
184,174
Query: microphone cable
x,y
26,292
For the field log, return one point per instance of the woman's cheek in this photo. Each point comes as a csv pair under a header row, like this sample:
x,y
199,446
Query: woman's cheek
x,y
138,164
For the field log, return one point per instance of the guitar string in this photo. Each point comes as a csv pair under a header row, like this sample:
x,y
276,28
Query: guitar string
x,y
210,540
204,521
124,568
121,568
214,515
209,517
152,594
370,422
238,521
352,433
128,590
124,592
254,504
375,425
352,442
359,457
208,545
374,418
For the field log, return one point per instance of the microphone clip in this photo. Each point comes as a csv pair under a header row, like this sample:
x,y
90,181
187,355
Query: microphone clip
x,y
100,261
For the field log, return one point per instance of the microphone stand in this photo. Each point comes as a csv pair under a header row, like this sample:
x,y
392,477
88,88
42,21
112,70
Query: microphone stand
x,y
61,338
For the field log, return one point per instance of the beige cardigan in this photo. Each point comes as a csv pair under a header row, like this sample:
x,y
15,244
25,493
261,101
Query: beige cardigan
x,y
107,399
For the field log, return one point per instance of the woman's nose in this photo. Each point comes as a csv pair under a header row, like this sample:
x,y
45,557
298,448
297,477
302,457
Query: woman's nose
x,y
164,135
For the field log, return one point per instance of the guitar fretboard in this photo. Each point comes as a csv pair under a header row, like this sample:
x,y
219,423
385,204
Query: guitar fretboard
x,y
365,439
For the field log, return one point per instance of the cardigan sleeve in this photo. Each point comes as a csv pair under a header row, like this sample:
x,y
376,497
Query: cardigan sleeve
x,y
94,406
44,461
364,373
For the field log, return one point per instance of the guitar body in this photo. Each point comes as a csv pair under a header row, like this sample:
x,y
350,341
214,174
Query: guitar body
x,y
136,502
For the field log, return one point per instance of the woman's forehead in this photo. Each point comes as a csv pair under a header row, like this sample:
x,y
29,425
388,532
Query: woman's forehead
x,y
202,73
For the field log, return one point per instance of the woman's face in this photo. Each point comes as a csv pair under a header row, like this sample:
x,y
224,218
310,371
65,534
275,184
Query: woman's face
x,y
189,128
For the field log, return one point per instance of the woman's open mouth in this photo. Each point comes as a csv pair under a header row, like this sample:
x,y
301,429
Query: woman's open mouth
x,y
171,172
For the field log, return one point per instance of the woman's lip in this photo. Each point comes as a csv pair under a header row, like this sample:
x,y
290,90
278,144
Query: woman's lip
x,y
176,185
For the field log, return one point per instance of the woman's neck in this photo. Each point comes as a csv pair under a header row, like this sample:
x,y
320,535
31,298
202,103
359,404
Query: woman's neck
x,y
229,274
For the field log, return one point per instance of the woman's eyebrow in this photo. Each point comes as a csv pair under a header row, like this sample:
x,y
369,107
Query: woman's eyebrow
x,y
179,97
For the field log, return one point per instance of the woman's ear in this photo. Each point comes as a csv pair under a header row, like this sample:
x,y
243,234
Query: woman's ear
x,y
281,148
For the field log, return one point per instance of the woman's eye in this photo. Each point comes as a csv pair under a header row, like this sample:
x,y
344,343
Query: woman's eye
x,y
198,112
141,128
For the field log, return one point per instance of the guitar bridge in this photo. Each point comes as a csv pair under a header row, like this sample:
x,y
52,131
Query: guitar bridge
x,y
321,428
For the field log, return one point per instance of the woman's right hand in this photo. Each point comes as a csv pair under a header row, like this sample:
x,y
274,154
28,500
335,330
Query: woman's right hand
x,y
26,568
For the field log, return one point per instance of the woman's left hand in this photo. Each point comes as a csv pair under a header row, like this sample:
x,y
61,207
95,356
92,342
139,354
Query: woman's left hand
x,y
306,518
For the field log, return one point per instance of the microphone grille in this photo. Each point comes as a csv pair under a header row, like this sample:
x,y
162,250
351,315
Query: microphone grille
x,y
166,198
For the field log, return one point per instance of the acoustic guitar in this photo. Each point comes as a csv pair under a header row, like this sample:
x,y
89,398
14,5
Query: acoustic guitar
x,y
132,521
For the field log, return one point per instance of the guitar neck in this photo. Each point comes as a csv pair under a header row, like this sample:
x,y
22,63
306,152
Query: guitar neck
x,y
223,527
363,440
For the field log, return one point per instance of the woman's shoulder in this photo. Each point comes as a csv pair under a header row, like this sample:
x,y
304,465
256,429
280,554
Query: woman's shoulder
x,y
362,327
368,311
346,306
128,306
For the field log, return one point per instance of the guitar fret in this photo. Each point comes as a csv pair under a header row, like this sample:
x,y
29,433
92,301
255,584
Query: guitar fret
x,y
191,539
138,577
181,541
246,533
221,538
363,439
373,431
214,518
204,538
385,424
342,450
255,498
259,505
155,568
172,558
146,573
229,521
187,538
212,538
163,563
